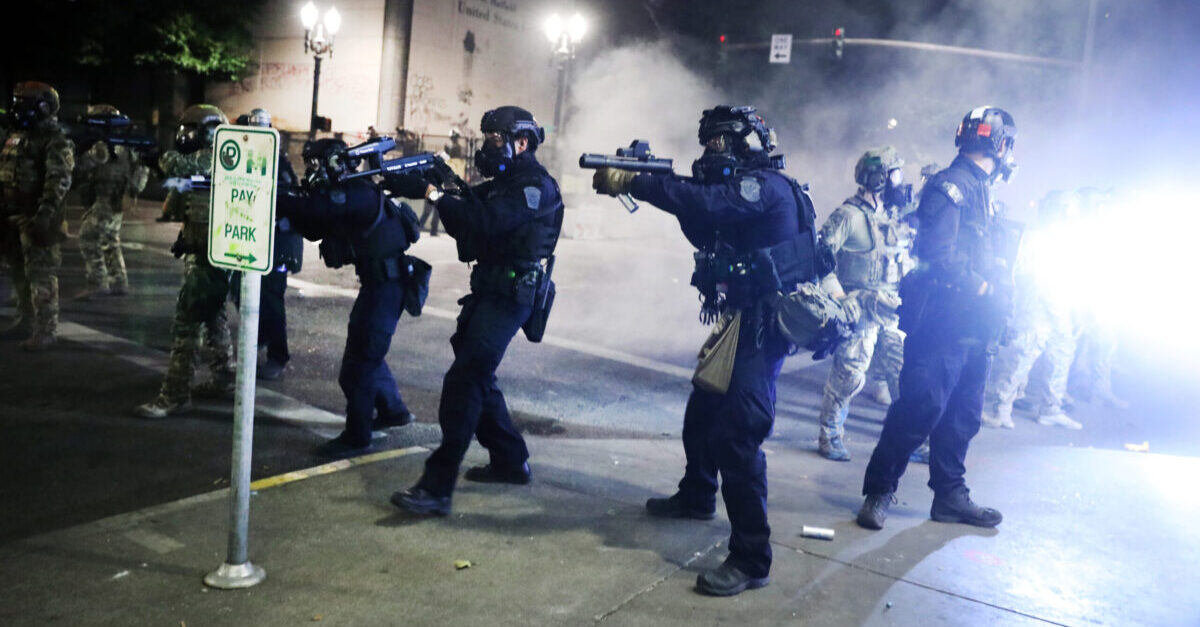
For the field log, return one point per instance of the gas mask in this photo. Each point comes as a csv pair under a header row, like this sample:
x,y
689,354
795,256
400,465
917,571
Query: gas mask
x,y
718,161
492,159
897,193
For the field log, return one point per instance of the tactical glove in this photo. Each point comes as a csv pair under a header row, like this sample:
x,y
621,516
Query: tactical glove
x,y
612,181
407,185
851,308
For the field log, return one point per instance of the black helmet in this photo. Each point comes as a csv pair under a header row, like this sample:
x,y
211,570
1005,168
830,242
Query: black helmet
x,y
990,131
259,117
33,102
736,124
510,122
197,127
513,122
875,168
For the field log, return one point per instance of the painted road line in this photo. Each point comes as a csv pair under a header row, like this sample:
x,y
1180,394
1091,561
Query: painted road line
x,y
268,403
332,467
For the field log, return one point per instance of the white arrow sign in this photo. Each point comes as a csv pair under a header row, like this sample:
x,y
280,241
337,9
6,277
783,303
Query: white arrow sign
x,y
781,49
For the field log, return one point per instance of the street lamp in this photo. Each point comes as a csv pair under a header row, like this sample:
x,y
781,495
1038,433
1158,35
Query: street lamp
x,y
318,39
564,35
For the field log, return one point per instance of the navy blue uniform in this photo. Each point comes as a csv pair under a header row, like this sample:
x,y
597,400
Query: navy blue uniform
x,y
507,228
952,332
724,432
379,230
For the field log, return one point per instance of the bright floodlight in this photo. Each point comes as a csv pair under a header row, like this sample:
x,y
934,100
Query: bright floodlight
x,y
308,16
554,28
576,27
333,21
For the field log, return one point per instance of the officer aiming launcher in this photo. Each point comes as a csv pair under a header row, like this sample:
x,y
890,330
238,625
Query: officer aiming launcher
x,y
636,158
427,164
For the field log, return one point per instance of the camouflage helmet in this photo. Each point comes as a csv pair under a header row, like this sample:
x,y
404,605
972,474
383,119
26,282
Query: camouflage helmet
x,y
875,166
34,101
102,110
197,126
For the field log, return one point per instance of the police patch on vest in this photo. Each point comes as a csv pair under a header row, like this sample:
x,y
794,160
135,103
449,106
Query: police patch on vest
x,y
952,191
750,189
533,197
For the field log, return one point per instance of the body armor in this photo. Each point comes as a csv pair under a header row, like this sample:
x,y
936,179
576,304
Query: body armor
x,y
877,257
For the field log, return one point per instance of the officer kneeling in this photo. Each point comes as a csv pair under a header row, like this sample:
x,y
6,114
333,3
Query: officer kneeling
x,y
359,224
755,230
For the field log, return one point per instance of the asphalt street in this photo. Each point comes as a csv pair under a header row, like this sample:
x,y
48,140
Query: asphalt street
x,y
615,366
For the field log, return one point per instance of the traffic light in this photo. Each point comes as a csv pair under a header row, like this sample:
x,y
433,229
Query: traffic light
x,y
839,42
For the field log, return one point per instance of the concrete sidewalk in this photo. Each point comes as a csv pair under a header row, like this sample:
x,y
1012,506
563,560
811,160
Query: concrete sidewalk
x,y
575,547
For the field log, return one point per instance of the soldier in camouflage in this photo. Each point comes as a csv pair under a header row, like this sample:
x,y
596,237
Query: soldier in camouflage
x,y
1043,327
871,245
35,174
200,310
108,178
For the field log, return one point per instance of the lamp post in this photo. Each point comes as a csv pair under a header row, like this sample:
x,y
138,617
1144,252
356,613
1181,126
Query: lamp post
x,y
318,39
564,34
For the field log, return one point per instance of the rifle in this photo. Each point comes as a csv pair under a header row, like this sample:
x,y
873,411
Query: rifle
x,y
113,130
635,158
428,164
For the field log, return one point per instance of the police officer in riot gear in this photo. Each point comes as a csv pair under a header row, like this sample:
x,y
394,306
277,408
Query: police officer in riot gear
x,y
741,212
35,174
508,226
200,309
955,308
289,255
358,224
871,247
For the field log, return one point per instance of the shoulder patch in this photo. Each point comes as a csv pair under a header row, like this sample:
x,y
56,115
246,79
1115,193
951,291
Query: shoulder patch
x,y
533,197
952,191
750,189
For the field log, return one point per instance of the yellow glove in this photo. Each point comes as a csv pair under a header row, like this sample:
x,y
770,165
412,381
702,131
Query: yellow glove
x,y
612,181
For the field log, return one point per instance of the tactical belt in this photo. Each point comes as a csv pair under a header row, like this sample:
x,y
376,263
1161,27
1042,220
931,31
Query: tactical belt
x,y
395,268
518,282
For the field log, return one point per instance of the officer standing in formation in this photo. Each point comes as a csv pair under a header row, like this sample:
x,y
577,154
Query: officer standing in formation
x,y
954,311
360,225
871,247
289,255
109,175
738,209
200,308
35,175
1043,328
507,225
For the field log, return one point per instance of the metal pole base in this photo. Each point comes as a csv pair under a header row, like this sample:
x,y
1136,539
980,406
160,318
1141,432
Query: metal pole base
x,y
234,576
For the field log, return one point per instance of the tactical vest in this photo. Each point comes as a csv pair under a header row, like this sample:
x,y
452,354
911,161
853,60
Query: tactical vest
x,y
23,166
380,249
111,179
884,263
196,203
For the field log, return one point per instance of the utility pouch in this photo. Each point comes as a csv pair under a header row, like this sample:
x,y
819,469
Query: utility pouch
x,y
417,285
535,326
715,368
807,316
336,251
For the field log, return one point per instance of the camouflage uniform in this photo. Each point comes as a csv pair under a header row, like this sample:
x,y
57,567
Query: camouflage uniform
x,y
200,308
108,179
872,249
1041,328
35,174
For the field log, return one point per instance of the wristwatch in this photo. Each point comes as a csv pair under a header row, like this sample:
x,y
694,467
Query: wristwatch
x,y
434,194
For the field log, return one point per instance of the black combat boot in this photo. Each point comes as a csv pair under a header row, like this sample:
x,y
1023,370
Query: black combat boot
x,y
727,580
516,475
957,507
674,507
875,510
418,500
